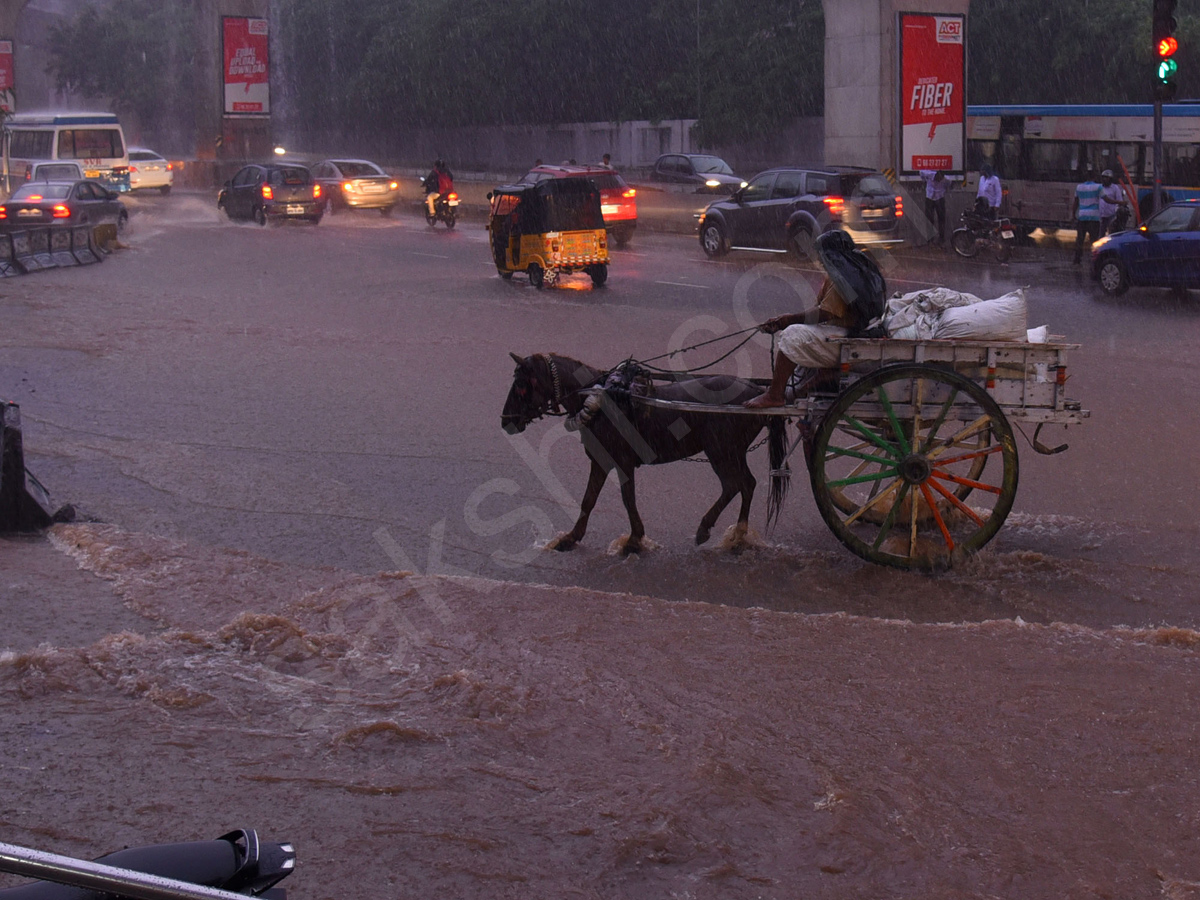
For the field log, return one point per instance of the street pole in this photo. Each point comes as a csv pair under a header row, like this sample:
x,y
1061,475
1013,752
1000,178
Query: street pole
x,y
1158,155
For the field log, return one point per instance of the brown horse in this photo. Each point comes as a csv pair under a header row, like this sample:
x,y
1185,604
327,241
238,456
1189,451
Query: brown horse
x,y
624,435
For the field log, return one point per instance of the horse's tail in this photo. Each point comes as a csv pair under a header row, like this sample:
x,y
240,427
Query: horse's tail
x,y
781,476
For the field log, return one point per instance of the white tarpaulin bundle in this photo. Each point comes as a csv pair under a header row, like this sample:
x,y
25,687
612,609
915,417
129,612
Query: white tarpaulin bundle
x,y
941,314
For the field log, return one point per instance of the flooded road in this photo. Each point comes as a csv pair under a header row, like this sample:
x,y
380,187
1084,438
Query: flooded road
x,y
331,396
307,594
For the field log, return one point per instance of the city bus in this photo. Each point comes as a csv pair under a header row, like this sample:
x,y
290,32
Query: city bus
x,y
1039,152
94,140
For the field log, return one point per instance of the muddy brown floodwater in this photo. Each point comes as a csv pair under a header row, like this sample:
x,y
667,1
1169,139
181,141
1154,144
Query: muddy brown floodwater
x,y
440,736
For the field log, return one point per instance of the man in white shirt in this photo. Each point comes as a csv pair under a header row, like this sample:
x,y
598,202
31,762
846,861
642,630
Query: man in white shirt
x,y
1111,198
989,189
935,202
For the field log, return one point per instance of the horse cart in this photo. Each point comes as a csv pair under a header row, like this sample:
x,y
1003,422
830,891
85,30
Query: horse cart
x,y
910,445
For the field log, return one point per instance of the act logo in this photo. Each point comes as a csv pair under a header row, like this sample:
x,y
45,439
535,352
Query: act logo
x,y
949,31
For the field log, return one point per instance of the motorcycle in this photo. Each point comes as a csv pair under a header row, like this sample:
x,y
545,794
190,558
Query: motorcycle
x,y
445,208
234,866
979,230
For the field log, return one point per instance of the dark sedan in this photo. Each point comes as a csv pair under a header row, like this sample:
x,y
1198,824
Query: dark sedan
x,y
1163,252
61,203
272,192
356,184
707,174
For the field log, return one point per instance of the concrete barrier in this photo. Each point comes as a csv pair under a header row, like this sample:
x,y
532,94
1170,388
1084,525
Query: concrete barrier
x,y
82,247
24,503
39,245
23,252
7,266
60,247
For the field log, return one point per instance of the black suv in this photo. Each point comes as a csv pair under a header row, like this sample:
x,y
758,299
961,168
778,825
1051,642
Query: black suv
x,y
782,210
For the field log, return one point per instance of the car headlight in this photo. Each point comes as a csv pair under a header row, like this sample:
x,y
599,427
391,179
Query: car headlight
x,y
712,182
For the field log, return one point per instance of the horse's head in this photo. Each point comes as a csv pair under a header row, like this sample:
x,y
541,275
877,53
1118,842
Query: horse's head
x,y
531,395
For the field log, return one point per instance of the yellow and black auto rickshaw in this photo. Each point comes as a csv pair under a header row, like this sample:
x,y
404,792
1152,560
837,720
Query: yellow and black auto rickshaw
x,y
549,228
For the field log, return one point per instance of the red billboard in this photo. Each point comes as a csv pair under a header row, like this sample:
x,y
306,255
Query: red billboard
x,y
933,92
247,88
8,83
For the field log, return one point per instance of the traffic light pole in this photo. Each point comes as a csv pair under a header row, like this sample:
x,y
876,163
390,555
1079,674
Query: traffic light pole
x,y
1158,155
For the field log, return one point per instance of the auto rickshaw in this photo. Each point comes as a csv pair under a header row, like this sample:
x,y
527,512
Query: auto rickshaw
x,y
544,229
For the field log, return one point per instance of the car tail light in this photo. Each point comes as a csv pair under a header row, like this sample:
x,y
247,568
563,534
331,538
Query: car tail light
x,y
899,207
3,212
170,166
61,211
34,198
316,191
835,205
267,193
629,194
452,196
394,186
133,170
29,173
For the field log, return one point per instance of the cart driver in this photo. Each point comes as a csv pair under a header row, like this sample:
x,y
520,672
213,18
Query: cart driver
x,y
804,337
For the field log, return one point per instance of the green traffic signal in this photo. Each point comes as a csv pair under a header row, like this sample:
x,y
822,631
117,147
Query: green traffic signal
x,y
1167,69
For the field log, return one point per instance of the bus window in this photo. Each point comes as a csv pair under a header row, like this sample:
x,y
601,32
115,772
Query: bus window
x,y
1052,160
31,144
90,143
1180,164
980,152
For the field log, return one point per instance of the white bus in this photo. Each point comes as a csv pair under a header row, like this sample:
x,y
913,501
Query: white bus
x,y
94,140
1040,153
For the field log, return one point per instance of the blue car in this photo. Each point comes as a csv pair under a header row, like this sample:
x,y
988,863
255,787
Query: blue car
x,y
1163,252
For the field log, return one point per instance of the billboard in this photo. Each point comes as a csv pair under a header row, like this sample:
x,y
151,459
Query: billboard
x,y
8,84
933,92
244,45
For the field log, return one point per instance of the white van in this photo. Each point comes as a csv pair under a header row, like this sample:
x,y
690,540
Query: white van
x,y
94,140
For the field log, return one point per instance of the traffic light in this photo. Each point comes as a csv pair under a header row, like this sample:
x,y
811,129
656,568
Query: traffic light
x,y
1165,46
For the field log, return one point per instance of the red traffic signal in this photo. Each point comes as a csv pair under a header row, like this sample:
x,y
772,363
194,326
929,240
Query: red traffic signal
x,y
1167,47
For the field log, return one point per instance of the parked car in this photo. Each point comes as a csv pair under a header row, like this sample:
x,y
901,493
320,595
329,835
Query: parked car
x,y
148,170
708,174
62,204
272,191
53,170
618,201
782,210
1163,252
356,184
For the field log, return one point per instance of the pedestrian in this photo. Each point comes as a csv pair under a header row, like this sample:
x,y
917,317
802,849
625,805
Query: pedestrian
x,y
990,190
935,202
1086,211
606,161
1111,198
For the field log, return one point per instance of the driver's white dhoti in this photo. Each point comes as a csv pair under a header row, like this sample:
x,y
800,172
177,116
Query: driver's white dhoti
x,y
806,345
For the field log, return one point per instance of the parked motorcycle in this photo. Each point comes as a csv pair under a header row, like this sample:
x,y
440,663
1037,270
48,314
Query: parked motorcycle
x,y
979,231
445,209
232,867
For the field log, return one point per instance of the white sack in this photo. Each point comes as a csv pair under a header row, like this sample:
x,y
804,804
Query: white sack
x,y
1002,319
914,316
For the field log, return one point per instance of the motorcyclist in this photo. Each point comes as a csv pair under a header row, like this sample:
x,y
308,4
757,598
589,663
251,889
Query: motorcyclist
x,y
438,183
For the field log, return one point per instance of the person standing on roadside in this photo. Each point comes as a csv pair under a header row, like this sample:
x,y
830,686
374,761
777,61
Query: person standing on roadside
x,y
1086,211
990,190
935,202
1111,198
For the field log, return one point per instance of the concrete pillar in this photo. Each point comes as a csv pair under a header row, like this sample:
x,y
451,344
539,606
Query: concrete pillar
x,y
861,77
241,138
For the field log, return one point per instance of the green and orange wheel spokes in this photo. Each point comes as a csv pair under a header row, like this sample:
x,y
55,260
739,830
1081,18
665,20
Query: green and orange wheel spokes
x,y
914,466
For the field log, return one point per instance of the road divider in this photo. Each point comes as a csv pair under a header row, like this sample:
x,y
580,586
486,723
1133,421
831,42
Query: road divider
x,y
24,503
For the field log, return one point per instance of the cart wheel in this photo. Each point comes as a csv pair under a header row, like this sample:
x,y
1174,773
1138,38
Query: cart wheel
x,y
895,457
536,275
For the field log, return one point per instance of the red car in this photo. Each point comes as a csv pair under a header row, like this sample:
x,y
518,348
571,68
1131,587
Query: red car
x,y
618,201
